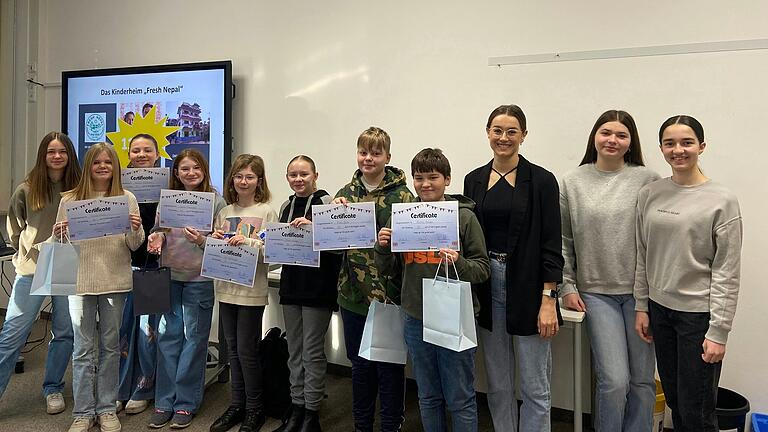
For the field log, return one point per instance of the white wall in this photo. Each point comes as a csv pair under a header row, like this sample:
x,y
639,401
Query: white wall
x,y
312,75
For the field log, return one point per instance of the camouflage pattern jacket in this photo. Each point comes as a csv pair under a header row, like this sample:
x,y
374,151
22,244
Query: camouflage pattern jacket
x,y
359,279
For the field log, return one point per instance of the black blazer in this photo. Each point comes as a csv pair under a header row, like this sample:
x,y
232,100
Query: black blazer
x,y
534,244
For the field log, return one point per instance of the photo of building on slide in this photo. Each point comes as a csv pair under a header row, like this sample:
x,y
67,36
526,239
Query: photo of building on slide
x,y
193,121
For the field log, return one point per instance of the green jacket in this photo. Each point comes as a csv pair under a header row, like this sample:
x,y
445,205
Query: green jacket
x,y
359,278
473,264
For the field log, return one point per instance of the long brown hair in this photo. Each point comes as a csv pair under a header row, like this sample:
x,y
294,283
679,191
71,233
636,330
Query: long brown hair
x,y
633,156
84,189
40,186
256,164
195,155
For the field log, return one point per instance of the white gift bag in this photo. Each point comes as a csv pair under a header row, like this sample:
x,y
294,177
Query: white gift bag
x,y
448,313
56,270
384,334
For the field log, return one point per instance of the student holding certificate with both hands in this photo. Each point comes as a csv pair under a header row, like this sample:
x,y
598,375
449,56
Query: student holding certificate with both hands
x,y
242,307
31,213
182,340
95,371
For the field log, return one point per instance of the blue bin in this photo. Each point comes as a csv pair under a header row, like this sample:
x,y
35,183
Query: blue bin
x,y
759,422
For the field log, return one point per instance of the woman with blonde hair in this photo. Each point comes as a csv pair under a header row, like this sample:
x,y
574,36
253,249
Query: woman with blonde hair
x,y
104,277
31,213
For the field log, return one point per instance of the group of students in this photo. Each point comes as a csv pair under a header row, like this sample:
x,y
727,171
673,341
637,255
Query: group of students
x,y
652,262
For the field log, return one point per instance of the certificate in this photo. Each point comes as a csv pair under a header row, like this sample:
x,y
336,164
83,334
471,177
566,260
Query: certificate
x,y
98,217
236,264
179,209
290,245
425,226
145,183
339,226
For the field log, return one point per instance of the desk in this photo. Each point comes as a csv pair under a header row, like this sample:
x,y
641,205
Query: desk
x,y
572,319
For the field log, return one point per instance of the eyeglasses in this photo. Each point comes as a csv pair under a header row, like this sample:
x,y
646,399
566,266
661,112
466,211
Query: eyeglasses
x,y
249,179
498,132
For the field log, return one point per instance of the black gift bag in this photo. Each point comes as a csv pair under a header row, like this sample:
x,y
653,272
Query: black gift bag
x,y
151,291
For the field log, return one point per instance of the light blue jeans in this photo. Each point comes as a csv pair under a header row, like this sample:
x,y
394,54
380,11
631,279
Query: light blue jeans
x,y
624,365
95,374
182,344
533,356
21,314
445,379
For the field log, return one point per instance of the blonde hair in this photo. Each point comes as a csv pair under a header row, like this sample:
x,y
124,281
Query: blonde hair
x,y
374,138
256,164
40,187
84,188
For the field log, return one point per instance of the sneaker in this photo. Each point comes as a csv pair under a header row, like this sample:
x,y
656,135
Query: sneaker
x,y
181,419
119,406
232,416
108,422
81,424
136,406
54,403
159,418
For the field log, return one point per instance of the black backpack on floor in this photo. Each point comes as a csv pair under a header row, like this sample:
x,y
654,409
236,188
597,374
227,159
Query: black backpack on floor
x,y
273,351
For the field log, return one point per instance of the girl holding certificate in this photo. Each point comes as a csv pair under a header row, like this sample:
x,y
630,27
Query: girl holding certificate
x,y
519,210
308,297
182,339
689,233
598,204
138,348
31,214
241,307
104,277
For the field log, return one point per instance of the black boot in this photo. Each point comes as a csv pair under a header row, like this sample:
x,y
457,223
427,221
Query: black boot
x,y
311,422
253,421
294,421
232,416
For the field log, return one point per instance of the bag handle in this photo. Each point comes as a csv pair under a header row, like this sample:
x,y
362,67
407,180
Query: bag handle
x,y
446,269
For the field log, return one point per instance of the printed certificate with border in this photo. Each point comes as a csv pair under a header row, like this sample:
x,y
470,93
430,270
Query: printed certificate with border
x,y
98,217
425,226
344,226
285,244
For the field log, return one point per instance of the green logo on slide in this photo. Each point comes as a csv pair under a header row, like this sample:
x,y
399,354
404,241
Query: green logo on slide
x,y
95,127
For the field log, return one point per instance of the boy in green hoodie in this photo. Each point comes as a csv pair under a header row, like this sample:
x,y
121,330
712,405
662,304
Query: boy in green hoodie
x,y
360,282
445,377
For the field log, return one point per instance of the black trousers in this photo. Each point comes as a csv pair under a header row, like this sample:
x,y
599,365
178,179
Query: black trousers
x,y
689,383
242,331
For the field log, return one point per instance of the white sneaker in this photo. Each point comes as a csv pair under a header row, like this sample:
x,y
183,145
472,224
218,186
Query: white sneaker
x,y
54,403
81,424
136,406
108,422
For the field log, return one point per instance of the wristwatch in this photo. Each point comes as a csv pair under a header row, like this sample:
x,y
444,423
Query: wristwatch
x,y
550,293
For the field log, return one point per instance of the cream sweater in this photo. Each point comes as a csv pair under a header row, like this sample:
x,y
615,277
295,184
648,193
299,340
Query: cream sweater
x,y
248,221
105,263
27,228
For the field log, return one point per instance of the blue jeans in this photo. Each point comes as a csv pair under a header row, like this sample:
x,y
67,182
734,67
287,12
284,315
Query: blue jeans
x,y
445,378
689,383
369,379
21,314
182,344
624,365
95,374
138,354
533,355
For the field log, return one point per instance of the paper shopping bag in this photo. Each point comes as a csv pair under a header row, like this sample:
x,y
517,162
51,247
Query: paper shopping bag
x,y
151,291
384,334
56,271
448,314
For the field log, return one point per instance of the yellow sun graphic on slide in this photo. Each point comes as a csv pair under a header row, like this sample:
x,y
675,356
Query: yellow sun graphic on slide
x,y
146,125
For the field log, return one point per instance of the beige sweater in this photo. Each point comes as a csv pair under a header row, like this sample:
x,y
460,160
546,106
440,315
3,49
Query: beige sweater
x,y
247,221
27,228
105,263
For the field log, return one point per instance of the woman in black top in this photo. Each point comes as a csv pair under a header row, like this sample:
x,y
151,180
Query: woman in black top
x,y
308,297
518,207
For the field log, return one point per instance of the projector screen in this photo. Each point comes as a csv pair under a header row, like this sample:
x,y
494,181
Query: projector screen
x,y
181,106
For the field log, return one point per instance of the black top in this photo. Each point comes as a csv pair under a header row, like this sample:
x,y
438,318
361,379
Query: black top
x,y
534,246
309,286
140,257
496,209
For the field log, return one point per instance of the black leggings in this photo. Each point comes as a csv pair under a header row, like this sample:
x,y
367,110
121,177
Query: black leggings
x,y
242,330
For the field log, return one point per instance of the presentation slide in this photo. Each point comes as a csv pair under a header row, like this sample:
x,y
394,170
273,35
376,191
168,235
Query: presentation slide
x,y
183,109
